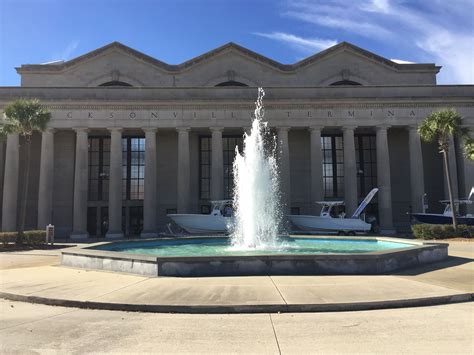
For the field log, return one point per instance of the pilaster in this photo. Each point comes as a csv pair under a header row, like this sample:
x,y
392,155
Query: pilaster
x,y
46,179
10,184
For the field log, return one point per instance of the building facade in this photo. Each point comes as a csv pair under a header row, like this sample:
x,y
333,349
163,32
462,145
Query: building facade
x,y
132,139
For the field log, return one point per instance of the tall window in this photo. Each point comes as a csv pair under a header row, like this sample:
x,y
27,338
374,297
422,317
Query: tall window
x,y
205,147
333,166
366,160
229,144
99,164
205,168
133,168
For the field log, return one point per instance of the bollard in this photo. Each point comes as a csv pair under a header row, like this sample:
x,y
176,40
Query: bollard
x,y
50,234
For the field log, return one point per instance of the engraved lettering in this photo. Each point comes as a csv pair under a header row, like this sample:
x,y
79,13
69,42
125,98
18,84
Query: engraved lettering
x,y
309,114
154,115
133,115
232,114
329,114
371,113
111,115
175,114
390,113
287,113
90,115
194,114
351,113
69,115
412,113
213,114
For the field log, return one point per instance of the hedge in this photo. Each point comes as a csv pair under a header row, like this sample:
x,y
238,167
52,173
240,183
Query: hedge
x,y
34,237
7,237
442,231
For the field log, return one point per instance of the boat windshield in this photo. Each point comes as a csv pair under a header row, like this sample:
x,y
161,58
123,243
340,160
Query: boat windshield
x,y
222,208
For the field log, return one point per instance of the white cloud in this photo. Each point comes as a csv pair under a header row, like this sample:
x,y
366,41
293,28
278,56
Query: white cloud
x,y
309,45
439,31
65,53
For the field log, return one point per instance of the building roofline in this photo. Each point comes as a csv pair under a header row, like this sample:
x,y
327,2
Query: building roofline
x,y
59,67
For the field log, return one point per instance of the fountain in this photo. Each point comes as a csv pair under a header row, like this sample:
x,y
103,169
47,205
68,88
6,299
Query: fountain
x,y
258,217
256,245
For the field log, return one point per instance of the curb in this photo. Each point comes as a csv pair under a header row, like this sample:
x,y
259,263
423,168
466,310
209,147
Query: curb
x,y
226,309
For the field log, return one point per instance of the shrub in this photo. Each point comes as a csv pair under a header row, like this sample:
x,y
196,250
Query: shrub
x,y
8,237
441,231
34,237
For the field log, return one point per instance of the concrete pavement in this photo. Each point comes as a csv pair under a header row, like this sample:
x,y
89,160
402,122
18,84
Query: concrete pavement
x,y
31,328
449,281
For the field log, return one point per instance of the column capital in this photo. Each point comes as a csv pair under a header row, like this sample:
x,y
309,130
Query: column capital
x,y
216,129
349,128
412,127
150,129
382,127
50,130
115,129
81,129
183,129
315,128
283,128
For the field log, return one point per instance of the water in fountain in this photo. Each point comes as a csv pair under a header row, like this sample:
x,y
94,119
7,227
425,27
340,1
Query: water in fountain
x,y
256,188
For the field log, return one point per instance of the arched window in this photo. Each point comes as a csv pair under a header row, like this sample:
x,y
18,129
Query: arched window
x,y
115,83
231,83
345,82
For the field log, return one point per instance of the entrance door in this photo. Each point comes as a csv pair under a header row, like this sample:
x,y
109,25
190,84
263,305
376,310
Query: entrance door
x,y
136,220
97,221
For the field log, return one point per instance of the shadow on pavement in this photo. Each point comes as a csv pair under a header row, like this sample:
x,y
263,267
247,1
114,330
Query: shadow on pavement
x,y
451,261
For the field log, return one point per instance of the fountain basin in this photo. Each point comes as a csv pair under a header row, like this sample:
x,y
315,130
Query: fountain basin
x,y
123,257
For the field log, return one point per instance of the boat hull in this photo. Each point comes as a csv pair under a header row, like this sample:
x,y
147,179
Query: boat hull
x,y
326,224
202,224
433,218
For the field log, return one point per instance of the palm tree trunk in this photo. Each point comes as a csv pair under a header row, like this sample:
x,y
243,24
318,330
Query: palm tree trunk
x,y
21,228
450,189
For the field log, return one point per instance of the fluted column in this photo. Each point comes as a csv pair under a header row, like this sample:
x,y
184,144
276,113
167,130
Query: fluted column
x,y
115,184
10,184
184,189
150,202
316,161
46,179
468,170
453,168
417,183
350,170
284,160
383,180
217,165
2,166
79,223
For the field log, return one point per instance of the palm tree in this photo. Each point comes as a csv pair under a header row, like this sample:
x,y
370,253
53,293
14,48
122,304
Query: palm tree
x,y
24,117
440,126
469,148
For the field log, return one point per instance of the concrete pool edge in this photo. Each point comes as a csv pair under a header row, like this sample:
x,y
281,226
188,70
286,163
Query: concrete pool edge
x,y
372,263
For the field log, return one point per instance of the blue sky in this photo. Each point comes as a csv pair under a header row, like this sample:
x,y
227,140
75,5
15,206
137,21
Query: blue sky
x,y
423,31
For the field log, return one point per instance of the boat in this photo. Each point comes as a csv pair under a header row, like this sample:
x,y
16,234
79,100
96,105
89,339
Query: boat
x,y
217,222
326,223
447,216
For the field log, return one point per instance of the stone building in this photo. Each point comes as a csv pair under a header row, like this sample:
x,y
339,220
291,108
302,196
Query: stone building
x,y
133,138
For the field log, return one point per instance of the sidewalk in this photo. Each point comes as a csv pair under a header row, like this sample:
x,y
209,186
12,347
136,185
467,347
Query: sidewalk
x,y
36,276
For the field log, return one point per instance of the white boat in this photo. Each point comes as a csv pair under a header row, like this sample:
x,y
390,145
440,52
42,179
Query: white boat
x,y
447,216
218,221
326,223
